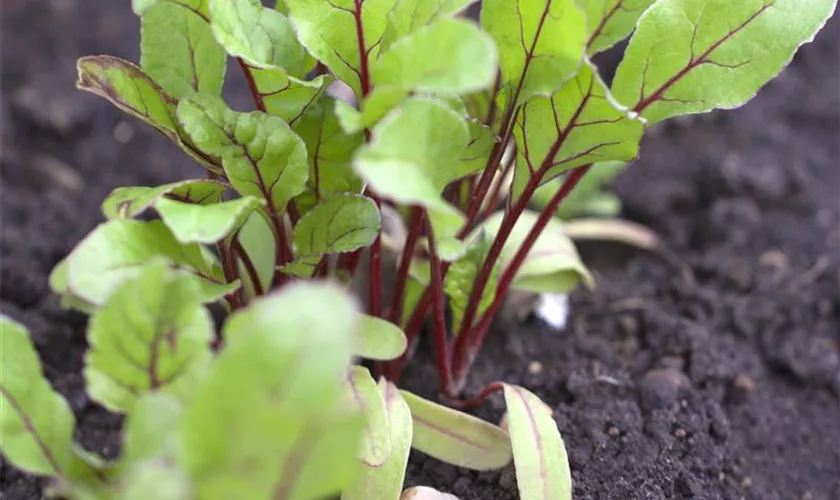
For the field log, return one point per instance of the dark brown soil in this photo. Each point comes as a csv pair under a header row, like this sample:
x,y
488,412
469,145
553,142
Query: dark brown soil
x,y
715,374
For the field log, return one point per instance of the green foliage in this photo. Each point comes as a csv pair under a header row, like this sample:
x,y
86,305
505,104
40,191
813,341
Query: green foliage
x,y
454,129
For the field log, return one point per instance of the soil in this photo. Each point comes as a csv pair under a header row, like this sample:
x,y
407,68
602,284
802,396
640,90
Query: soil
x,y
708,371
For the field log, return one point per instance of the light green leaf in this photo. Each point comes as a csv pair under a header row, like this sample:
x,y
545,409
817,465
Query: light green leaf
x,y
115,252
330,32
285,96
541,43
539,455
610,21
155,480
330,154
589,196
693,56
129,89
178,51
578,125
257,239
36,423
128,202
455,437
59,284
412,157
459,281
407,16
343,223
260,154
446,56
553,264
191,223
362,393
269,420
380,340
151,429
151,335
199,7
386,481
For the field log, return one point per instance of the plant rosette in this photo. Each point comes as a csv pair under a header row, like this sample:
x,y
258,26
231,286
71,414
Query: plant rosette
x,y
456,173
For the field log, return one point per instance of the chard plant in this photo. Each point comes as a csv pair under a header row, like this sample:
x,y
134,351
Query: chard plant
x,y
416,194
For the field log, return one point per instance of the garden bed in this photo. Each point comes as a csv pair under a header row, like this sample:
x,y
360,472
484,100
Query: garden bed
x,y
710,371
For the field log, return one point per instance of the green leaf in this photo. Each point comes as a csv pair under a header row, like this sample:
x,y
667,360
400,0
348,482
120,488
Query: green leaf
x,y
541,43
330,31
128,202
362,392
59,283
539,455
285,96
610,21
380,340
269,420
330,154
459,281
552,266
693,56
340,224
155,480
36,423
455,437
151,429
199,7
178,51
407,16
260,154
578,125
386,481
588,197
412,157
191,223
116,251
151,335
131,90
446,56
257,239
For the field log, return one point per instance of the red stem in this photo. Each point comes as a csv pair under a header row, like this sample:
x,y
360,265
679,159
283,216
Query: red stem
x,y
238,250
439,315
415,225
479,398
258,98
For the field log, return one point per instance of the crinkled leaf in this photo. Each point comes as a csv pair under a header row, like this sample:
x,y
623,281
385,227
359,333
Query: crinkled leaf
x,y
260,154
552,266
200,7
459,281
446,56
128,88
179,52
285,96
379,340
128,202
610,21
257,239
269,420
362,393
455,437
541,43
191,223
36,423
343,223
407,16
578,125
412,157
588,197
330,31
386,481
539,455
693,56
152,334
115,251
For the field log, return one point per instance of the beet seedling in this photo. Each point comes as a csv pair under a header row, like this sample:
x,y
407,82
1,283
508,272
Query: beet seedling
x,y
457,130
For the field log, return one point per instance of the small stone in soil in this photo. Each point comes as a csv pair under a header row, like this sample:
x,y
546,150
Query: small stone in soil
x,y
661,388
535,368
680,433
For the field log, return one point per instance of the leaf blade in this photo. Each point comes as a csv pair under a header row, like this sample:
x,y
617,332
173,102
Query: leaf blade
x,y
191,223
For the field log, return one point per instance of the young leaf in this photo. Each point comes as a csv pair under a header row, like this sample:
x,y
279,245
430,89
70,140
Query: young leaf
x,y
610,21
386,481
455,437
552,266
116,251
128,202
178,51
260,154
363,393
458,283
693,56
268,421
151,335
408,16
191,223
541,43
578,125
412,157
448,55
36,423
285,96
340,224
343,34
380,340
132,91
589,197
539,455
